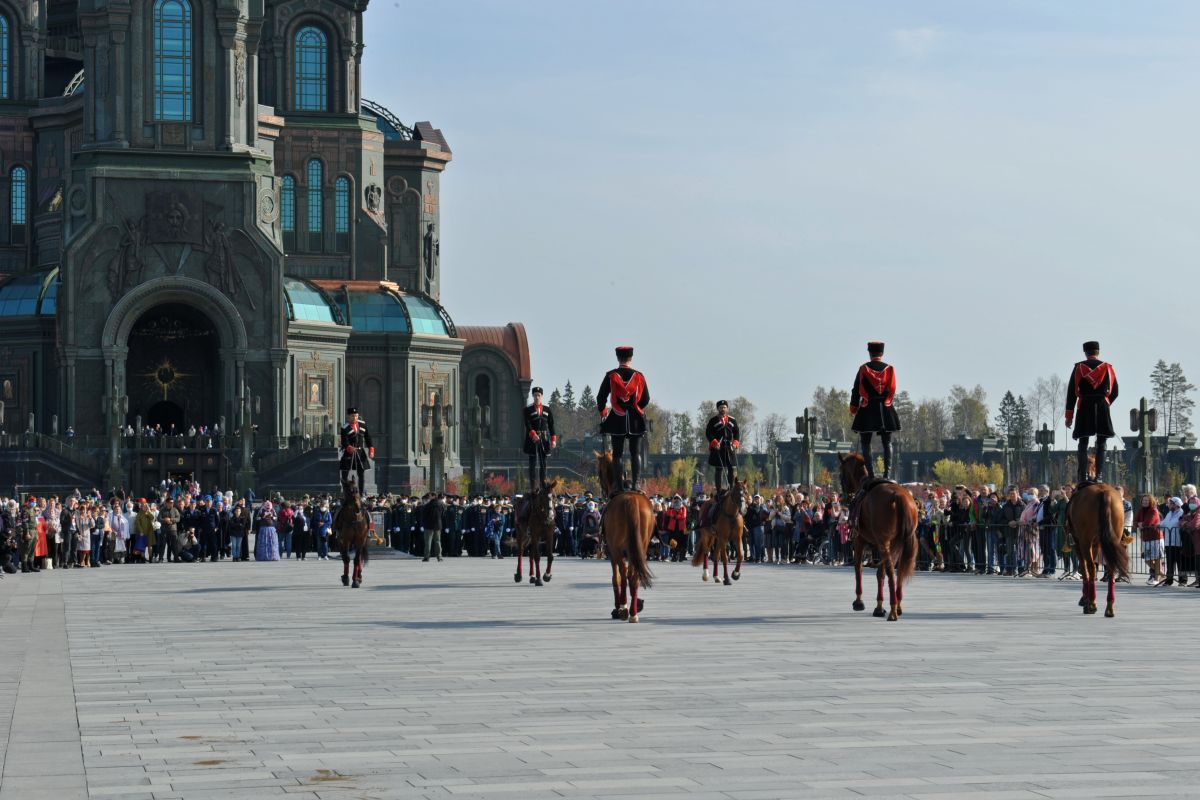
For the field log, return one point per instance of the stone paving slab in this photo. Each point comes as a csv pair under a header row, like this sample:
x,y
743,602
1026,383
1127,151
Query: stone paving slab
x,y
190,682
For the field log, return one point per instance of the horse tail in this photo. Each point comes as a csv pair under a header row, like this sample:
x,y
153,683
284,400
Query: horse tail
x,y
635,548
703,545
1115,555
906,528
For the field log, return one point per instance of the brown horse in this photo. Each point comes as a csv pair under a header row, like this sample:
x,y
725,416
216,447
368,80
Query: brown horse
x,y
535,526
887,520
727,526
352,527
628,524
1096,520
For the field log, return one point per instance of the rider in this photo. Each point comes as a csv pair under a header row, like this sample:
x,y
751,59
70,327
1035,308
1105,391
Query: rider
x,y
1091,389
724,439
871,406
356,449
540,438
626,419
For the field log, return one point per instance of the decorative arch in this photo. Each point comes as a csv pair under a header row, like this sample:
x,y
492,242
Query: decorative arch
x,y
314,25
142,298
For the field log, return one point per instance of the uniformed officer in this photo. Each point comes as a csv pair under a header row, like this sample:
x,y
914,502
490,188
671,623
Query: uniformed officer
x,y
1091,389
540,438
724,439
871,405
625,420
356,449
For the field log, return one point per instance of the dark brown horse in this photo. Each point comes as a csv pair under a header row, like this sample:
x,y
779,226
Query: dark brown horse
x,y
1096,520
535,527
352,527
628,524
887,521
727,526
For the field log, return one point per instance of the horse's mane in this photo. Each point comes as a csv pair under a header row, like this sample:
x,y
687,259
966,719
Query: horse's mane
x,y
851,464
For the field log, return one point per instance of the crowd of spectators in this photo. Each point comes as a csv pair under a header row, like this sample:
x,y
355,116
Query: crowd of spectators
x,y
1011,532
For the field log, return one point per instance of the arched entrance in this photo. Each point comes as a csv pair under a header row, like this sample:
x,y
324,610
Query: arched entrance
x,y
172,370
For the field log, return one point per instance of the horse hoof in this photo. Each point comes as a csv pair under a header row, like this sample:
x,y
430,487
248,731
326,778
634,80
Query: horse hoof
x,y
737,576
633,618
859,605
641,604
533,580
899,611
355,585
345,581
537,583
1108,612
892,617
728,582
616,613
879,612
1082,602
1089,609
622,613
546,578
517,578
705,575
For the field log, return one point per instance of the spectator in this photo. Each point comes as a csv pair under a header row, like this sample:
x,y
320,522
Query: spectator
x,y
1169,525
1145,522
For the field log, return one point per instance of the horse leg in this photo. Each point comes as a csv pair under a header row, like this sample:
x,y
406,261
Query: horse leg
x,y
725,564
1112,593
345,568
737,570
357,568
879,612
632,580
1083,577
699,543
520,558
549,560
858,603
535,570
891,578
899,597
616,582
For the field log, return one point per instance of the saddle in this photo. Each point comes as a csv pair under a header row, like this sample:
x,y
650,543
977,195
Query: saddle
x,y
863,491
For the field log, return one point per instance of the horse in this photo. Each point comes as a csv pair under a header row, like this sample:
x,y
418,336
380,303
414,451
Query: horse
x,y
536,527
727,526
628,524
1096,520
352,528
886,520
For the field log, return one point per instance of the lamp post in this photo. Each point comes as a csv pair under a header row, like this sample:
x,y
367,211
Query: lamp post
x,y
1045,440
1143,421
247,407
479,418
806,426
436,417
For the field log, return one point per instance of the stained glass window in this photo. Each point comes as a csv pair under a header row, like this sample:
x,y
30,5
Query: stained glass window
x,y
287,201
3,57
314,196
172,60
312,69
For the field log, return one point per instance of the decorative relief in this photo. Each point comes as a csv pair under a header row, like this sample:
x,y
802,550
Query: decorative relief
x,y
239,75
268,209
397,185
374,198
431,201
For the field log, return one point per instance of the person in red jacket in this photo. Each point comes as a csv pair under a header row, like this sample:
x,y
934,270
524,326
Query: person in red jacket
x,y
676,528
1091,389
871,405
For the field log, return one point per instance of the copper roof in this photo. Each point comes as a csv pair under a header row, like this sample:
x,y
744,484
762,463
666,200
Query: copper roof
x,y
509,339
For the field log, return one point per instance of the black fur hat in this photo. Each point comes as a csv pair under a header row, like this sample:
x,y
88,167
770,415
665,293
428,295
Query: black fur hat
x,y
1091,347
875,348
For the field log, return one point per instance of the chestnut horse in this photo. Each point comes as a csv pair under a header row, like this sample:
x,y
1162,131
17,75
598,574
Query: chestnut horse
x,y
534,528
727,526
887,520
1096,520
352,528
628,524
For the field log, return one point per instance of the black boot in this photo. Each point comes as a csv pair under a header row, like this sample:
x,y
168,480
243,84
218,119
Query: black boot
x,y
887,458
1082,456
865,438
1101,452
618,477
635,468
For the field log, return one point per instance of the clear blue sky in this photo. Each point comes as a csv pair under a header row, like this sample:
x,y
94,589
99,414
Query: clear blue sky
x,y
749,192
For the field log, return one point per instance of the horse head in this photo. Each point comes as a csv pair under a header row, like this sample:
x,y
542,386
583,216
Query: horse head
x,y
604,461
737,495
853,472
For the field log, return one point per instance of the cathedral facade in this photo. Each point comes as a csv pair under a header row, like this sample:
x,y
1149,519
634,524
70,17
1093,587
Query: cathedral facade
x,y
208,228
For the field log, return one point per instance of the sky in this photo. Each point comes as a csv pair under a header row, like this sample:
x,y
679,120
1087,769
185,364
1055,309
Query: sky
x,y
749,192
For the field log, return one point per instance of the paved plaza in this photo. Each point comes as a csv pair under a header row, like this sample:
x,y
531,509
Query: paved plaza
x,y
448,680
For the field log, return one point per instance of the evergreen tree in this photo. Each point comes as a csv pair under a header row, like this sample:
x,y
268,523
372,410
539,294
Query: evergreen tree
x,y
1172,397
587,401
568,397
556,402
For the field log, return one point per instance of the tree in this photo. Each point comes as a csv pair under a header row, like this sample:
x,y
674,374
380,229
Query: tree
x,y
1014,422
682,472
904,407
556,400
832,410
968,411
1171,392
740,409
928,426
568,397
768,433
587,401
686,437
951,472
659,420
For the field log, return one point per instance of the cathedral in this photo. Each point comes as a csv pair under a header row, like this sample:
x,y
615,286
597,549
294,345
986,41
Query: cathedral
x,y
213,245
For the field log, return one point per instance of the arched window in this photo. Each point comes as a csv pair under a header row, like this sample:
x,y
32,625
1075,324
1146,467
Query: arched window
x,y
4,51
311,55
172,60
483,393
287,211
18,192
341,213
314,204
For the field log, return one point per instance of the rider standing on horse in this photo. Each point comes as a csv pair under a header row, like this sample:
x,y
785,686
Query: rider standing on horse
x,y
871,406
1091,389
540,438
724,439
356,449
625,420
